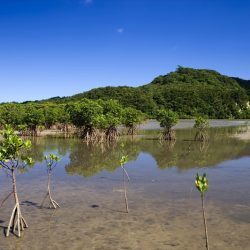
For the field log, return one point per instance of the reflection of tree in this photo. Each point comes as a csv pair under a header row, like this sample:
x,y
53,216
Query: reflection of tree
x,y
41,145
89,159
188,154
163,152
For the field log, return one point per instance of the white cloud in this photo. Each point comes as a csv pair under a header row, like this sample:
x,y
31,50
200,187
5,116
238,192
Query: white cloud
x,y
120,30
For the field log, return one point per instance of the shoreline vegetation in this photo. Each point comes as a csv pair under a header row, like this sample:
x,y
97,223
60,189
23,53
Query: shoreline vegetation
x,y
152,124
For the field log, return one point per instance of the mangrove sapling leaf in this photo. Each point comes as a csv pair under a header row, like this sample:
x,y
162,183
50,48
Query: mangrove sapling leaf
x,y
13,158
51,162
201,184
123,161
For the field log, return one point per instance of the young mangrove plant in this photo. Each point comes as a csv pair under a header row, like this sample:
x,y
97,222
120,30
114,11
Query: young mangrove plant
x,y
12,158
51,162
123,161
167,119
201,124
201,184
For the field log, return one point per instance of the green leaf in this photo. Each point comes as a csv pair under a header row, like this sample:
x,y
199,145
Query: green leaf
x,y
201,183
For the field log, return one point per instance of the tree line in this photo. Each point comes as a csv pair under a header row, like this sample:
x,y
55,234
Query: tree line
x,y
92,120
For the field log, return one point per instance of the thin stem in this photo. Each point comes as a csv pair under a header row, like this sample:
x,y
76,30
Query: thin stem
x,y
205,221
52,203
125,191
125,172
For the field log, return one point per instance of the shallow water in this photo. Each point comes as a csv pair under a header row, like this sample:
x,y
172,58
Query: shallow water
x,y
165,208
189,123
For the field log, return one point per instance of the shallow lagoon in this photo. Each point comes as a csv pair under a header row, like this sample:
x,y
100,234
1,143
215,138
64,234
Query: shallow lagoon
x,y
165,209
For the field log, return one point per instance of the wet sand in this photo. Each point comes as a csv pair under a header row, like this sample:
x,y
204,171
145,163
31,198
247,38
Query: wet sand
x,y
163,215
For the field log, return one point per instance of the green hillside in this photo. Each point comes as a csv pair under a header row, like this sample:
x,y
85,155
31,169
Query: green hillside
x,y
243,83
188,91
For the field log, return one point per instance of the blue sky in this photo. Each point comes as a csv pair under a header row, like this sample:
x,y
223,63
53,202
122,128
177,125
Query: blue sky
x,y
63,47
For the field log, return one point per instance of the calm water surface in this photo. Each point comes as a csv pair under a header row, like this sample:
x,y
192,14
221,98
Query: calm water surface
x,y
165,208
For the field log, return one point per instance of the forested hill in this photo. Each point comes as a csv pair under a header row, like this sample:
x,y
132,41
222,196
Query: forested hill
x,y
190,92
187,91
244,84
196,77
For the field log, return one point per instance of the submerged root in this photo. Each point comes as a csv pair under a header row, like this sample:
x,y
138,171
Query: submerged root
x,y
111,133
168,135
17,221
52,203
90,134
201,136
131,130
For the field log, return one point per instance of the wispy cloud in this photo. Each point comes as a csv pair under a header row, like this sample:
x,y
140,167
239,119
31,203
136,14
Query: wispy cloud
x,y
120,30
86,2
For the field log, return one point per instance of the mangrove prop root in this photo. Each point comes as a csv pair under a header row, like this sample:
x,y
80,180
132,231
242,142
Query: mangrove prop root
x,y
168,135
131,130
111,133
201,136
52,203
17,221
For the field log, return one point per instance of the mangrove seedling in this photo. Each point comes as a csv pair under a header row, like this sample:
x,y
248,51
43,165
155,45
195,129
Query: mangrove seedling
x,y
123,161
12,158
51,162
201,124
201,184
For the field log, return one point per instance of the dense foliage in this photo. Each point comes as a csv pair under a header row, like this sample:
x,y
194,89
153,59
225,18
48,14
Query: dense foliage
x,y
131,118
167,119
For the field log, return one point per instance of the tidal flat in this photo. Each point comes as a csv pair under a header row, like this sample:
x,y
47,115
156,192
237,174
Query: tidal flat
x,y
164,205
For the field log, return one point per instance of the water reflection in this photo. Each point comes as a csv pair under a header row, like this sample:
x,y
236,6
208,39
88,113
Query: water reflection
x,y
185,153
89,159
